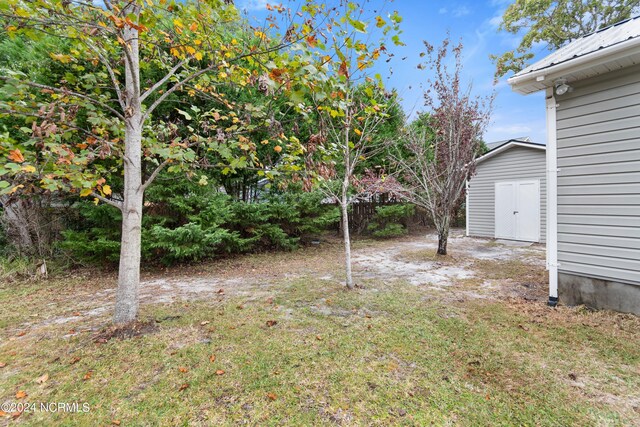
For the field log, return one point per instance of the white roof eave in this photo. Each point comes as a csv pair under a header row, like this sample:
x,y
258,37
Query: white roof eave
x,y
543,78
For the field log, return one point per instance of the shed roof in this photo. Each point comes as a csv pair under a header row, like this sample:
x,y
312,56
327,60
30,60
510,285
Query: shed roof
x,y
608,49
496,144
510,144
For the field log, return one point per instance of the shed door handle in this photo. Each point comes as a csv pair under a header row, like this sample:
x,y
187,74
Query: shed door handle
x,y
515,212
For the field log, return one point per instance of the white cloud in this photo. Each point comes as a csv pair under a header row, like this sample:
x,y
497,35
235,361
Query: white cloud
x,y
254,4
495,21
442,10
461,11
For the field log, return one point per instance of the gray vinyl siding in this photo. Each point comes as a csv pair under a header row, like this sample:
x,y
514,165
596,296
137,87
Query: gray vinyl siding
x,y
598,130
513,164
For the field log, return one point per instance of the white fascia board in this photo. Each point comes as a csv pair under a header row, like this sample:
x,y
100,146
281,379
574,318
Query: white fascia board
x,y
546,76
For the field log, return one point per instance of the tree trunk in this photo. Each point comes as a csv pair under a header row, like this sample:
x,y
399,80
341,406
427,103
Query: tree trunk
x,y
442,244
347,239
443,236
16,219
126,307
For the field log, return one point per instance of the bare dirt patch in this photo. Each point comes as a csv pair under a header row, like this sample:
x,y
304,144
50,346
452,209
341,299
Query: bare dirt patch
x,y
475,268
130,330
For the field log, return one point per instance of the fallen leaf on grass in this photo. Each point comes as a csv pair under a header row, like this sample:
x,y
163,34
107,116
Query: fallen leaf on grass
x,y
3,414
15,415
219,372
77,313
183,369
220,291
74,360
184,387
204,322
212,358
318,337
271,323
88,375
240,306
21,334
272,396
21,394
115,422
43,379
2,364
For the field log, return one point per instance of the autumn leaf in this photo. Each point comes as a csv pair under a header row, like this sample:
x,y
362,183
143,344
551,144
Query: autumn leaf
x,y
318,337
21,394
272,396
87,376
219,372
115,422
183,369
198,56
312,41
43,379
271,323
16,156
183,387
357,132
106,189
212,358
204,322
277,148
343,70
74,360
2,364
193,26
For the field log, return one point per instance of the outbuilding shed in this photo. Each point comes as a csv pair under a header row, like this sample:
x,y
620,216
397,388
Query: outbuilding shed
x,y
592,90
506,198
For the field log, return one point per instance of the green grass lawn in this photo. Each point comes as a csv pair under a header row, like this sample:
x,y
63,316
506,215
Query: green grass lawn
x,y
312,353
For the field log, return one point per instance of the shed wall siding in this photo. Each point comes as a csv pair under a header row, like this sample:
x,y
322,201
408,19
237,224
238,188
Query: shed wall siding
x,y
514,164
598,130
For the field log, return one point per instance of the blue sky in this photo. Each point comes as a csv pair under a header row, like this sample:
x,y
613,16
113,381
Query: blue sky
x,y
475,23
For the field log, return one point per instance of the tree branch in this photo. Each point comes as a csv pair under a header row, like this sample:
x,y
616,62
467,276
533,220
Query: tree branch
x,y
68,92
111,202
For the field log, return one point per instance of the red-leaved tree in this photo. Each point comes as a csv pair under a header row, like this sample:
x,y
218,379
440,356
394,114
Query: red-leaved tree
x,y
437,155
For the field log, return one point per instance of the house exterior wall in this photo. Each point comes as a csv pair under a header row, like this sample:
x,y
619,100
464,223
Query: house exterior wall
x,y
598,150
514,164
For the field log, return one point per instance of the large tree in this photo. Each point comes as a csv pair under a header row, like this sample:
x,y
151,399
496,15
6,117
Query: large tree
x,y
436,158
134,57
555,23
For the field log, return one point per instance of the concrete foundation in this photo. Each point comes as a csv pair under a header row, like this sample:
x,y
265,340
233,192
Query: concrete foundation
x,y
598,293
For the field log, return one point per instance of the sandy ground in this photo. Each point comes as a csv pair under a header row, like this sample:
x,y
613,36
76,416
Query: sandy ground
x,y
411,259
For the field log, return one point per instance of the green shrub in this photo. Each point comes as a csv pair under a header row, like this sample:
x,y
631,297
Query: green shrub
x,y
390,221
200,223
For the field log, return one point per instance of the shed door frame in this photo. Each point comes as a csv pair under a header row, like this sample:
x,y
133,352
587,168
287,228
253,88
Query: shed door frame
x,y
513,204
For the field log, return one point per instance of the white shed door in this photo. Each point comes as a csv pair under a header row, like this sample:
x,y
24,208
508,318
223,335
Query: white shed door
x,y
517,210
